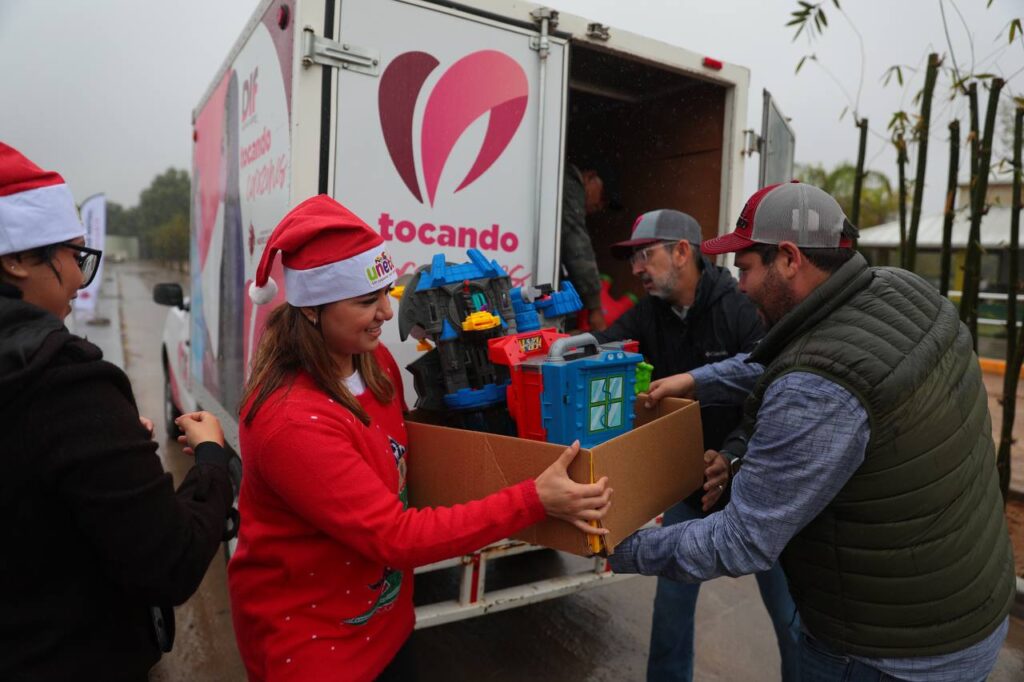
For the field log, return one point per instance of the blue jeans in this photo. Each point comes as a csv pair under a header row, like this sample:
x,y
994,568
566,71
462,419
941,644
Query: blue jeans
x,y
675,605
818,663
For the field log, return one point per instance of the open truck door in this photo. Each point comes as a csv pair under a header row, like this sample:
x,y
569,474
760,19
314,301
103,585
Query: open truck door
x,y
777,145
449,136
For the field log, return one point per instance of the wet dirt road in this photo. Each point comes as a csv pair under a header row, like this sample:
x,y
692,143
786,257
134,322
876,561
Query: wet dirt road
x,y
597,635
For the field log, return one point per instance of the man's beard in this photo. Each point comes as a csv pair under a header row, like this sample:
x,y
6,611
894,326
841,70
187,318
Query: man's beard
x,y
776,299
665,288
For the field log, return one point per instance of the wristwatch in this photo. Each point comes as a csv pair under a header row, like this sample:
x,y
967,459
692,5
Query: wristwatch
x,y
734,462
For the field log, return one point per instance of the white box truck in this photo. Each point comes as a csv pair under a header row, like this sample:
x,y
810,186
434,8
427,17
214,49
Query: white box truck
x,y
447,125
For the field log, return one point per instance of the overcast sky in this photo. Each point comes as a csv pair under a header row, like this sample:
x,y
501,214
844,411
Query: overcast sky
x,y
102,91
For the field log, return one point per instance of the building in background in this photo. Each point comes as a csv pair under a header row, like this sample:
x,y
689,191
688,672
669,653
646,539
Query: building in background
x,y
881,244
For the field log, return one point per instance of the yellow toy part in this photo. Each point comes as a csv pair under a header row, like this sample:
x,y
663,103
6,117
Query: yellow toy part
x,y
424,345
480,321
396,292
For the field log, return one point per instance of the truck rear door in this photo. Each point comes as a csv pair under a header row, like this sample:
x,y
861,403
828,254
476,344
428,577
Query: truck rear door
x,y
778,145
450,136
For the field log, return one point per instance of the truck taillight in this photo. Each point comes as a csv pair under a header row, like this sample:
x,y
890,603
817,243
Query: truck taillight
x,y
712,63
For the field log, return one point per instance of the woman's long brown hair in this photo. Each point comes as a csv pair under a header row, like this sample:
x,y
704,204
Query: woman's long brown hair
x,y
292,343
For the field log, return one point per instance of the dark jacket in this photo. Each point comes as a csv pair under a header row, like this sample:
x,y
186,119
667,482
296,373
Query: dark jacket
x,y
93,533
912,556
577,250
721,323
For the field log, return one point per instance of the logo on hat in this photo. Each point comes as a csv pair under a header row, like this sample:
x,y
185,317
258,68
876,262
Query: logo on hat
x,y
483,82
381,266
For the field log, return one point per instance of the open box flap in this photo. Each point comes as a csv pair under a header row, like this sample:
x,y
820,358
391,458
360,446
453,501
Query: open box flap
x,y
663,464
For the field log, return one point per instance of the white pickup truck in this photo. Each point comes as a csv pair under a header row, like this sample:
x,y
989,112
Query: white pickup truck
x,y
447,125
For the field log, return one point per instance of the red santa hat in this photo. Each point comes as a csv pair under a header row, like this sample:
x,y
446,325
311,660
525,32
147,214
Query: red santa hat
x,y
36,207
328,254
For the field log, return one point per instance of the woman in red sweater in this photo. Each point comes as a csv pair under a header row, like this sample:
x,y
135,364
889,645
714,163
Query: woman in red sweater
x,y
321,581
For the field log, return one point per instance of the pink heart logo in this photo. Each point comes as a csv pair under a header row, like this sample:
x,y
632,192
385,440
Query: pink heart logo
x,y
484,82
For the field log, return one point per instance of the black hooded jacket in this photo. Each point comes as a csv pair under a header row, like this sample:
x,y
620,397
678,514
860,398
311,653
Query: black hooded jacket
x,y
721,323
92,533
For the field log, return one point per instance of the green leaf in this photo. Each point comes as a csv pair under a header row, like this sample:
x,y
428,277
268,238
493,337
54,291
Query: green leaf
x,y
836,3
843,113
824,20
893,70
798,20
1015,26
809,6
817,22
800,64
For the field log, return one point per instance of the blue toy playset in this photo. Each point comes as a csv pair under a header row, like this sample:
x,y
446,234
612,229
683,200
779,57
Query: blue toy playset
x,y
563,388
568,387
588,394
459,308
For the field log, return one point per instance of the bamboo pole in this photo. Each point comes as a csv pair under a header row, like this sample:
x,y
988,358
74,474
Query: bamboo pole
x,y
901,180
972,263
979,193
922,158
858,178
947,222
1014,340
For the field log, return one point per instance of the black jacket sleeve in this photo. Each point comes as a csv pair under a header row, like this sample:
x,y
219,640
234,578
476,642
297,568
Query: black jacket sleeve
x,y
627,326
153,541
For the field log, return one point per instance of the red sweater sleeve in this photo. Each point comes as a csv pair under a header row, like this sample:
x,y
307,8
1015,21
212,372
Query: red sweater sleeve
x,y
316,469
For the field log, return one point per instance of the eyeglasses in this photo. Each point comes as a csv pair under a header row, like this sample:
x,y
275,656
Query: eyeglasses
x,y
88,261
641,256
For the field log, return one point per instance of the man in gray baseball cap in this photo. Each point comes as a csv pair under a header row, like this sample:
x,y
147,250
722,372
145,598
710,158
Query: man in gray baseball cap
x,y
868,466
693,314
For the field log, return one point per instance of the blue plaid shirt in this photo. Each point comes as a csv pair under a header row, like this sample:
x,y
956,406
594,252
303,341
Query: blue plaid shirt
x,y
811,437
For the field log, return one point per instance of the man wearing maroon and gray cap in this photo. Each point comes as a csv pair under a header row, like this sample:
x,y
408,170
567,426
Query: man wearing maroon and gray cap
x,y
868,462
693,315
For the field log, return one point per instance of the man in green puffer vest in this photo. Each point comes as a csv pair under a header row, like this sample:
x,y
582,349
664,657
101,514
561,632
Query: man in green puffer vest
x,y
867,455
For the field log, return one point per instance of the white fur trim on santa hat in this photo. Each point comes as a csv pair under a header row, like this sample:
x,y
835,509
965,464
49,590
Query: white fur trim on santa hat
x,y
264,294
38,217
368,271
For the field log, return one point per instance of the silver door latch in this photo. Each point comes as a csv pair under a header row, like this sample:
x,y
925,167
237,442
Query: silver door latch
x,y
319,50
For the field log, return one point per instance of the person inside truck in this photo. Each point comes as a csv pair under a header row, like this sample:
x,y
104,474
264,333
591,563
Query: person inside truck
x,y
97,544
588,188
693,315
321,582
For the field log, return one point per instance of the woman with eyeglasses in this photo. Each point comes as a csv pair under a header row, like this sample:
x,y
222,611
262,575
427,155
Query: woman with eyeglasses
x,y
95,544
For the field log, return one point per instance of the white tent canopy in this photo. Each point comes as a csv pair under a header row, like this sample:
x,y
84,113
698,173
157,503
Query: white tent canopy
x,y
995,231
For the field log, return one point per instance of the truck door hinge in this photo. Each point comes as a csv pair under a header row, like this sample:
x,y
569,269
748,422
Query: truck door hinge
x,y
319,50
752,143
596,31
546,19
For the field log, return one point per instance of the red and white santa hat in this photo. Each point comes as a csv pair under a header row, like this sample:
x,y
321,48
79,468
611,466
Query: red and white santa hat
x,y
36,207
328,254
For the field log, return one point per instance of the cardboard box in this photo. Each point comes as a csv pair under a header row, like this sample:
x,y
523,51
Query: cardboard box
x,y
658,463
